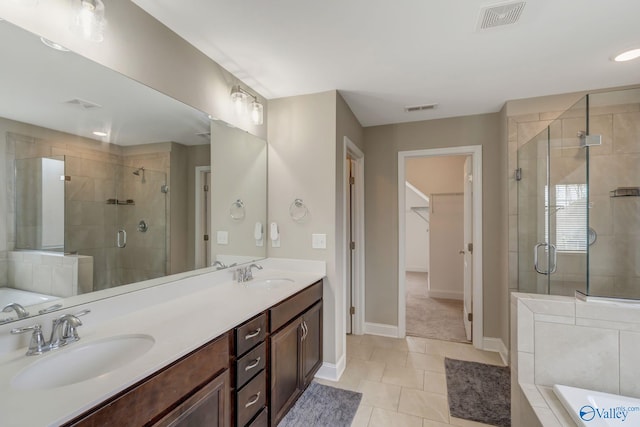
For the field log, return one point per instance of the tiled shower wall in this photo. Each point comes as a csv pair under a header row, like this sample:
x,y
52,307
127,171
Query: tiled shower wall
x,y
615,256
91,224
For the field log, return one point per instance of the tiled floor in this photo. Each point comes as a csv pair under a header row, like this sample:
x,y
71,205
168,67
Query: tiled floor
x,y
402,381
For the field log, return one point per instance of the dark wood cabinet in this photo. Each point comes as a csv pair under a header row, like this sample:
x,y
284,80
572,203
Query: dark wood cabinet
x,y
296,351
208,407
172,390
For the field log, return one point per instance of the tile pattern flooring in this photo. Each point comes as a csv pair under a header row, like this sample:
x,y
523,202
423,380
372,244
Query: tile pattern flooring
x,y
402,381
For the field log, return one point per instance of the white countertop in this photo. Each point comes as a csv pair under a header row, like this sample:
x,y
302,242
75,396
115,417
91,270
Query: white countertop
x,y
181,316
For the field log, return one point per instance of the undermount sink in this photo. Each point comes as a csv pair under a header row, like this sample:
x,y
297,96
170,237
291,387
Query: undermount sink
x,y
80,362
269,283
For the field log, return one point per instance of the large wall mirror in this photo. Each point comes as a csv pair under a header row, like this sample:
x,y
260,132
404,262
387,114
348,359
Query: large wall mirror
x,y
112,186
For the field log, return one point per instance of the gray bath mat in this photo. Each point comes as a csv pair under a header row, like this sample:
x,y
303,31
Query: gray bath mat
x,y
321,406
479,392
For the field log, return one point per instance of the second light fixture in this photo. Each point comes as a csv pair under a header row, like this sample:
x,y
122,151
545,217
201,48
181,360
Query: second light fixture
x,y
240,97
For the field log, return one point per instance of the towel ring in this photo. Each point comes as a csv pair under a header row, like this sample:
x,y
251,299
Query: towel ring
x,y
237,209
298,210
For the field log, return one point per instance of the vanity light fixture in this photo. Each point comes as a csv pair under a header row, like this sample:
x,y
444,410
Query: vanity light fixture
x,y
239,98
627,55
87,19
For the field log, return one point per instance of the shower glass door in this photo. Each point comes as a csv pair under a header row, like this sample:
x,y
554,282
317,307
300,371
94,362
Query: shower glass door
x,y
552,207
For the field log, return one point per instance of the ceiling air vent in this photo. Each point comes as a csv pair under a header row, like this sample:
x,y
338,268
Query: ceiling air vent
x,y
85,105
206,135
420,108
500,14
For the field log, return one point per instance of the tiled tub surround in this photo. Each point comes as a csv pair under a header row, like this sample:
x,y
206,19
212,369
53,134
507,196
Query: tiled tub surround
x,y
181,316
562,340
48,273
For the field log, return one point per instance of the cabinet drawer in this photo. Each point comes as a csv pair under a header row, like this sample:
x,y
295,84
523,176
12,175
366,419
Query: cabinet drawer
x,y
262,420
250,364
251,399
282,313
250,334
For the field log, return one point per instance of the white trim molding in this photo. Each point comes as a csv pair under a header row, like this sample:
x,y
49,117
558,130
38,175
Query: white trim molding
x,y
475,151
497,345
381,330
332,372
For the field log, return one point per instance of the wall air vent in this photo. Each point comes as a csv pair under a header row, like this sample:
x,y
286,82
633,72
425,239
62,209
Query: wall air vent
x,y
420,108
500,14
81,103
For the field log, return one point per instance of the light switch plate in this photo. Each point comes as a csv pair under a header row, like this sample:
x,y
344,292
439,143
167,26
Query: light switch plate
x,y
222,237
319,241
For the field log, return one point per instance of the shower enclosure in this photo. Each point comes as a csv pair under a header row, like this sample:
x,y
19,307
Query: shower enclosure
x,y
579,200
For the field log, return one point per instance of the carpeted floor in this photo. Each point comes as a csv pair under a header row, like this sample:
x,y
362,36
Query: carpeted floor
x,y
479,392
321,406
432,317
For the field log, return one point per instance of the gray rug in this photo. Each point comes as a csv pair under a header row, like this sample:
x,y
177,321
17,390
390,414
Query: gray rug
x,y
321,406
479,392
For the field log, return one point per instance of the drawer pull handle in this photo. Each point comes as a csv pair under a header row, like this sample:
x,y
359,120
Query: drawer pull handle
x,y
255,363
252,334
256,397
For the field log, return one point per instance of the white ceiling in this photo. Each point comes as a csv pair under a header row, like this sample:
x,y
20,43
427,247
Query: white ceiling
x,y
37,81
384,55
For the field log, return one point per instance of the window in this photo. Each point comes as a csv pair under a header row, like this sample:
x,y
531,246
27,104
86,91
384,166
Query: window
x,y
568,214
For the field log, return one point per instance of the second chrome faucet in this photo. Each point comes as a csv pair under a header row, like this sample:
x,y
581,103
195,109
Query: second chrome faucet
x,y
244,274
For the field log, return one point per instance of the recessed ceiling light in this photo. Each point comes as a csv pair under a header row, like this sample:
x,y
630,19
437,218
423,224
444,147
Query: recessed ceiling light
x,y
53,45
100,133
627,55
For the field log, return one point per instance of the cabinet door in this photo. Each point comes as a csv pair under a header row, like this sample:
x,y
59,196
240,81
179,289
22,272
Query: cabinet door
x,y
286,380
208,407
312,342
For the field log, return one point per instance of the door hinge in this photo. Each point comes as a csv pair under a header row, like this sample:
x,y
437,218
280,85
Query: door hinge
x,y
352,180
352,310
470,317
206,188
206,237
518,174
470,247
353,245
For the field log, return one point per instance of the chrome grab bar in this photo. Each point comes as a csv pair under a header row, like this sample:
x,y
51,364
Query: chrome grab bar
x,y
553,261
122,243
535,258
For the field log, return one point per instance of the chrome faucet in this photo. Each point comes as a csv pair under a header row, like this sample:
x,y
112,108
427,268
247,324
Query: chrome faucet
x,y
20,311
218,264
63,331
244,274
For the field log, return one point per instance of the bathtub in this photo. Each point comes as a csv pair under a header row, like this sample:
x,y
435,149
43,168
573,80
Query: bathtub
x,y
24,298
596,409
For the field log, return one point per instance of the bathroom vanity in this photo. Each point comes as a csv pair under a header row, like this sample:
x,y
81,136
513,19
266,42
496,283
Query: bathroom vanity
x,y
223,354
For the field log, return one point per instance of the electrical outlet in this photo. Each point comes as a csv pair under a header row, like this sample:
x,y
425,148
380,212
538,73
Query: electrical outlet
x,y
319,241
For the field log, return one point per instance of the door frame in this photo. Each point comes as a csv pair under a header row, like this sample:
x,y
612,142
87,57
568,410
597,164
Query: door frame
x,y
198,183
348,147
475,151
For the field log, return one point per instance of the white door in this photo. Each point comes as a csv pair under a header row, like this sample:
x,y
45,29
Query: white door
x,y
468,242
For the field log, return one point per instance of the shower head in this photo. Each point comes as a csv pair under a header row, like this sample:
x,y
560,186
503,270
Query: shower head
x,y
137,171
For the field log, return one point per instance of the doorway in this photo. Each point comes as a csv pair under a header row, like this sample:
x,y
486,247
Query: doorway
x,y
440,241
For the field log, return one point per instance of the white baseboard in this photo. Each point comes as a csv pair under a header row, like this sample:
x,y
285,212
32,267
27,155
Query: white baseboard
x,y
381,329
330,371
445,294
497,345
413,269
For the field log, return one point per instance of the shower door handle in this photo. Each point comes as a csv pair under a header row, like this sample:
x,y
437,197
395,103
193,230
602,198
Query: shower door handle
x,y
554,255
122,238
535,258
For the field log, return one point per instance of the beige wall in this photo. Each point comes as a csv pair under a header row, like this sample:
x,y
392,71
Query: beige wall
x,y
381,194
140,47
305,161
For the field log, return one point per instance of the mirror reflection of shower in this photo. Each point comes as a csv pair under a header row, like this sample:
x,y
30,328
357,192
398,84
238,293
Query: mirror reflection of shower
x,y
140,172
